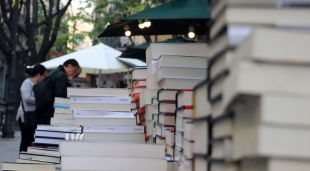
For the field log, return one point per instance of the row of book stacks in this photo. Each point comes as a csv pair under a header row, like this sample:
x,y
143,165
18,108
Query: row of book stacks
x,y
239,102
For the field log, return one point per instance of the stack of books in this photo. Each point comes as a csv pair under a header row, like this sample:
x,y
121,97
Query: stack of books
x,y
253,118
63,114
105,113
112,156
52,135
165,126
184,129
137,91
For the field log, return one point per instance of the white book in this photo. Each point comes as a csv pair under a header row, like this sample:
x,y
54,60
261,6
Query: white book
x,y
259,78
63,116
166,119
102,114
101,99
181,72
266,140
112,149
112,163
138,137
97,92
169,138
47,141
185,98
107,107
178,83
58,128
288,17
155,50
222,149
202,107
188,147
167,107
62,122
64,111
279,109
182,61
276,46
139,73
201,137
125,129
188,131
39,157
167,95
104,121
274,164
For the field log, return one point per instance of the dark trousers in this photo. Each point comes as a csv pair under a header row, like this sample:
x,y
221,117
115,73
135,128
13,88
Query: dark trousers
x,y
27,136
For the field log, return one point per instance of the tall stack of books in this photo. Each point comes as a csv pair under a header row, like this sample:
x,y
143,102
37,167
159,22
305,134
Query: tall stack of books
x,y
174,67
137,91
105,113
63,114
184,132
254,114
112,156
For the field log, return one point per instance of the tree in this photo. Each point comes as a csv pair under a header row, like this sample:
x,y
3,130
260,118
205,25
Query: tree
x,y
28,30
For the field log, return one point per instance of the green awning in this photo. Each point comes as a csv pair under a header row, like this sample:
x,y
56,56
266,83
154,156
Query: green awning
x,y
172,18
175,9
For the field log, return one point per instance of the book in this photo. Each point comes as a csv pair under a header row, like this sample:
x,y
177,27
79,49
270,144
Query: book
x,y
202,107
167,107
188,131
139,73
185,98
104,121
107,107
176,61
155,50
260,78
112,163
114,129
166,119
270,45
39,157
58,128
178,83
267,140
100,99
188,149
44,151
222,149
138,137
112,149
282,17
6,166
220,5
97,92
169,138
274,164
102,114
167,95
54,134
201,137
181,72
62,122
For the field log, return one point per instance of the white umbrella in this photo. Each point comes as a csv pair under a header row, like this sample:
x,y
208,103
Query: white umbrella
x,y
98,59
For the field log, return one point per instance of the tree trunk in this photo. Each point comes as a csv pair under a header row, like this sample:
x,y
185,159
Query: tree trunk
x,y
15,77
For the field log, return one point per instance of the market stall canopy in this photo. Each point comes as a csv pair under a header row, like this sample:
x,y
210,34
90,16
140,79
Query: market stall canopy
x,y
98,59
133,62
174,17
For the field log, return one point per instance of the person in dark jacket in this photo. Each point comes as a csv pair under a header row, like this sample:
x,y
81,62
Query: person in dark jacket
x,y
55,85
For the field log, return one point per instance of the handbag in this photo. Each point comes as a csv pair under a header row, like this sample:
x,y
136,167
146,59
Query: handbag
x,y
29,118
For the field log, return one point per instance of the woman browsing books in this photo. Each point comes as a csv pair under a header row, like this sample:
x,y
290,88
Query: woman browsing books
x,y
27,118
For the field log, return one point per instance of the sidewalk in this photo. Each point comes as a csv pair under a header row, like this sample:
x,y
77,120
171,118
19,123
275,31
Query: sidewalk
x,y
9,148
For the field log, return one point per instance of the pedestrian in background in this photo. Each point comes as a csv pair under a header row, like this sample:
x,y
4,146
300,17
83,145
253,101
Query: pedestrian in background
x,y
27,118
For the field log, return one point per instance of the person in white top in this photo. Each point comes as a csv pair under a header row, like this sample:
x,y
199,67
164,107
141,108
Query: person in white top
x,y
27,118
